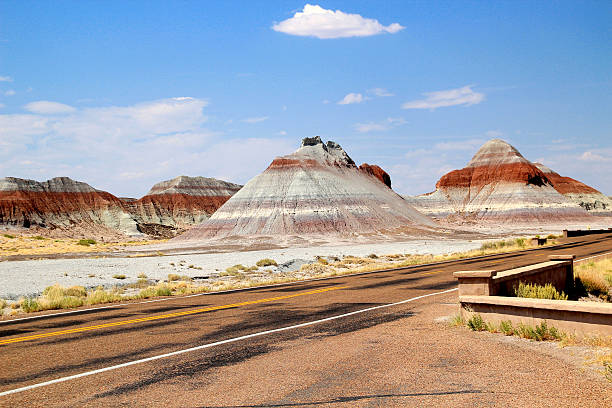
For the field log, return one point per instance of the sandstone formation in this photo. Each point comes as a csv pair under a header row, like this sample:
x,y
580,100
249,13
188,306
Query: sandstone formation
x,y
498,185
585,196
61,203
316,190
181,202
377,172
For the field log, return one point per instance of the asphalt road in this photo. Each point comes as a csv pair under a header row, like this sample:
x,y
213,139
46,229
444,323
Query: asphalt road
x,y
205,331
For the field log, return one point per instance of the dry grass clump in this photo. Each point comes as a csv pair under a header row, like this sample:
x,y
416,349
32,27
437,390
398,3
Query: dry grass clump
x,y
174,277
119,276
534,291
595,277
266,262
86,242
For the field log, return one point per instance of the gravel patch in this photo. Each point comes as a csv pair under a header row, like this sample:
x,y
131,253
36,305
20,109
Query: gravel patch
x,y
30,278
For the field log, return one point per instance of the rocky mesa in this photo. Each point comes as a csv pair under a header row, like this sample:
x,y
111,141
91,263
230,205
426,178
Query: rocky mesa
x,y
62,203
498,185
316,190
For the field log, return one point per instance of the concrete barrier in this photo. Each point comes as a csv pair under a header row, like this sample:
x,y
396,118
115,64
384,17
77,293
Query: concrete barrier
x,y
580,233
580,318
559,271
479,293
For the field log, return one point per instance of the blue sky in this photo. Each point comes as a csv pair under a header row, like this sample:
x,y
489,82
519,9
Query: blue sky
x,y
124,94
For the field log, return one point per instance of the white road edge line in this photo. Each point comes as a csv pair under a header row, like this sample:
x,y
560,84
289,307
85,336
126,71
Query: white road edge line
x,y
217,343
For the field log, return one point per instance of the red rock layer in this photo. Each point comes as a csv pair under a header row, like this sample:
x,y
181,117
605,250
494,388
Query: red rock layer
x,y
25,208
175,206
567,185
470,177
377,172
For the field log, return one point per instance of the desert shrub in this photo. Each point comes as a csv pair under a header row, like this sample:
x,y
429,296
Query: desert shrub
x,y
266,262
76,291
476,323
119,276
29,305
551,236
373,256
457,320
505,326
99,295
534,291
86,242
163,290
173,277
315,268
322,261
8,236
3,304
539,333
608,370
142,275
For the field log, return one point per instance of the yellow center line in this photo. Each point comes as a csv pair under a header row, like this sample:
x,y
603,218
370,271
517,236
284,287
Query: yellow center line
x,y
164,316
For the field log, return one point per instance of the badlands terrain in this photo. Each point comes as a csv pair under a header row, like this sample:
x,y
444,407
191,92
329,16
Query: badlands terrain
x,y
314,203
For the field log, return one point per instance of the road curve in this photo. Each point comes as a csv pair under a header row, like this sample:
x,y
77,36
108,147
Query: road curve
x,y
216,329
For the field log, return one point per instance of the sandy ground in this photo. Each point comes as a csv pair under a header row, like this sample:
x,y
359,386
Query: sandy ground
x,y
27,278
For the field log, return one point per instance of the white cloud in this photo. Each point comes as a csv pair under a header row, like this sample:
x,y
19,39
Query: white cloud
x,y
379,126
282,133
2,105
352,98
461,96
6,79
127,149
10,92
255,119
325,101
380,92
315,21
48,107
593,157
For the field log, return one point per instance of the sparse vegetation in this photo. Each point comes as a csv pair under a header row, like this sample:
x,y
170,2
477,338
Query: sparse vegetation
x,y
595,277
86,242
534,291
39,238
3,304
173,277
541,332
119,276
266,262
142,275
9,236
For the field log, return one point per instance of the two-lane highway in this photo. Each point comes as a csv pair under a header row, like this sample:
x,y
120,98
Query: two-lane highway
x,y
42,357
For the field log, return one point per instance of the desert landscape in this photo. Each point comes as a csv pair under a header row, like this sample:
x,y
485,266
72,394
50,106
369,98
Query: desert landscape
x,y
220,250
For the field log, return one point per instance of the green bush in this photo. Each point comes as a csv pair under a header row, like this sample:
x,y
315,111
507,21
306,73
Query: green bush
x,y
266,262
86,242
476,323
119,276
534,291
8,236
29,305
505,327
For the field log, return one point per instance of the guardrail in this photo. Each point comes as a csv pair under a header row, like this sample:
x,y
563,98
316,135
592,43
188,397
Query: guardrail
x,y
580,233
488,293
